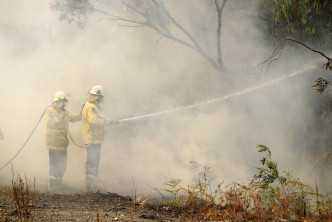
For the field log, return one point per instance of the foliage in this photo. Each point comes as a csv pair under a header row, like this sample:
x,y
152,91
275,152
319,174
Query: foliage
x,y
173,189
269,196
309,21
73,10
320,85
154,13
203,172
268,173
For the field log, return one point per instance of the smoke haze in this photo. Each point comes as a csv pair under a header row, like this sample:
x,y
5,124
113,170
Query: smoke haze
x,y
144,74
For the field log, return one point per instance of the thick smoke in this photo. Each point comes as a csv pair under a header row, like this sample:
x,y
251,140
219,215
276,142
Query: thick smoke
x,y
144,74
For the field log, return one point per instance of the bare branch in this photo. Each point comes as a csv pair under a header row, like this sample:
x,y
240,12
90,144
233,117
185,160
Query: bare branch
x,y
118,18
320,84
272,58
197,47
183,30
322,54
117,21
151,14
279,49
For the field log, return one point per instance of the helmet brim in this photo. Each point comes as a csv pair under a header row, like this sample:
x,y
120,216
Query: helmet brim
x,y
97,94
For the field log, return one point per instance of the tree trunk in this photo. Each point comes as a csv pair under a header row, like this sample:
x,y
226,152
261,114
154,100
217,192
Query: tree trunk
x,y
219,11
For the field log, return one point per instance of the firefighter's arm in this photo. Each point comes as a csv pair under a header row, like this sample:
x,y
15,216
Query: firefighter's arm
x,y
94,119
74,117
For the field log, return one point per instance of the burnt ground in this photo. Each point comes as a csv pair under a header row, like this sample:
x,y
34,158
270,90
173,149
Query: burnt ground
x,y
96,206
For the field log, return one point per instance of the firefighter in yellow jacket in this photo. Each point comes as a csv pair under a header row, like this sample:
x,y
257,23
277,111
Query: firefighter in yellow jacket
x,y
57,118
93,133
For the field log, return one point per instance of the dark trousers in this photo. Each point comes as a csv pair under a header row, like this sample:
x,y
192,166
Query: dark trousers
x,y
92,160
58,163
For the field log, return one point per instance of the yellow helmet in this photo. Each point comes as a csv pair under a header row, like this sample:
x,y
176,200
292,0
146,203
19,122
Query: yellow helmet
x,y
97,90
60,96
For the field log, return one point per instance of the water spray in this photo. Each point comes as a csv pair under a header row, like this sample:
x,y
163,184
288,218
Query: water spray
x,y
245,91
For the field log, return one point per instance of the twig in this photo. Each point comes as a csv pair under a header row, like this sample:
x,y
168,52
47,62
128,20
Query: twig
x,y
159,192
278,51
117,18
134,202
316,51
196,46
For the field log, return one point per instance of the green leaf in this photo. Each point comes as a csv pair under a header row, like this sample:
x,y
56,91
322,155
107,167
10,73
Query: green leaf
x,y
304,20
172,183
262,148
174,203
170,191
262,161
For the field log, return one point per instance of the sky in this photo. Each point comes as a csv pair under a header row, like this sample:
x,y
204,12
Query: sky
x,y
145,74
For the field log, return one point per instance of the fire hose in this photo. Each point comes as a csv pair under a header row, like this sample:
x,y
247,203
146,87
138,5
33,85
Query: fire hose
x,y
34,129
72,138
26,141
275,81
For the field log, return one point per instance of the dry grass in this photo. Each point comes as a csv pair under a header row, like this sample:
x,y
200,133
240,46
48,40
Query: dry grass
x,y
247,202
268,197
24,197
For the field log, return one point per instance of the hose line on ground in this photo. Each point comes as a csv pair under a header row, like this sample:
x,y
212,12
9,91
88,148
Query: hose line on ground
x,y
41,117
34,129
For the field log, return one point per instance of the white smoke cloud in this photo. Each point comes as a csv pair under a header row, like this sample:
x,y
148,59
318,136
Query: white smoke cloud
x,y
41,55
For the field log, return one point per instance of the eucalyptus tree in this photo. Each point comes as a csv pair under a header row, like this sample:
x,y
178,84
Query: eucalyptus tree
x,y
151,14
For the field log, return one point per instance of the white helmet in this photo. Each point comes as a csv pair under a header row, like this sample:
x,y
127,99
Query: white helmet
x,y
60,96
97,90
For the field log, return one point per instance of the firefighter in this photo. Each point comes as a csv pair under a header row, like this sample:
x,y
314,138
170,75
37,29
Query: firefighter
x,y
93,133
57,118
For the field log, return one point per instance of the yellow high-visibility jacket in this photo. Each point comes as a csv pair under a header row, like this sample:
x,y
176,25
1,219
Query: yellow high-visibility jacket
x,y
93,123
56,132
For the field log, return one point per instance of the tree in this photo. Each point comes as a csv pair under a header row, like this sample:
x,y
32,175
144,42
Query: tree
x,y
301,22
151,14
308,21
318,131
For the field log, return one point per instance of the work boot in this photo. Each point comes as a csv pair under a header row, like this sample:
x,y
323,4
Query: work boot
x,y
55,182
52,183
90,183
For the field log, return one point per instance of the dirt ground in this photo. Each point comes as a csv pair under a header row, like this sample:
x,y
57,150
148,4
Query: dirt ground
x,y
93,206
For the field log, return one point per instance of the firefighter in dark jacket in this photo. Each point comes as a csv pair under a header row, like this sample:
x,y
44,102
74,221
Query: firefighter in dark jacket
x,y
57,118
93,133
